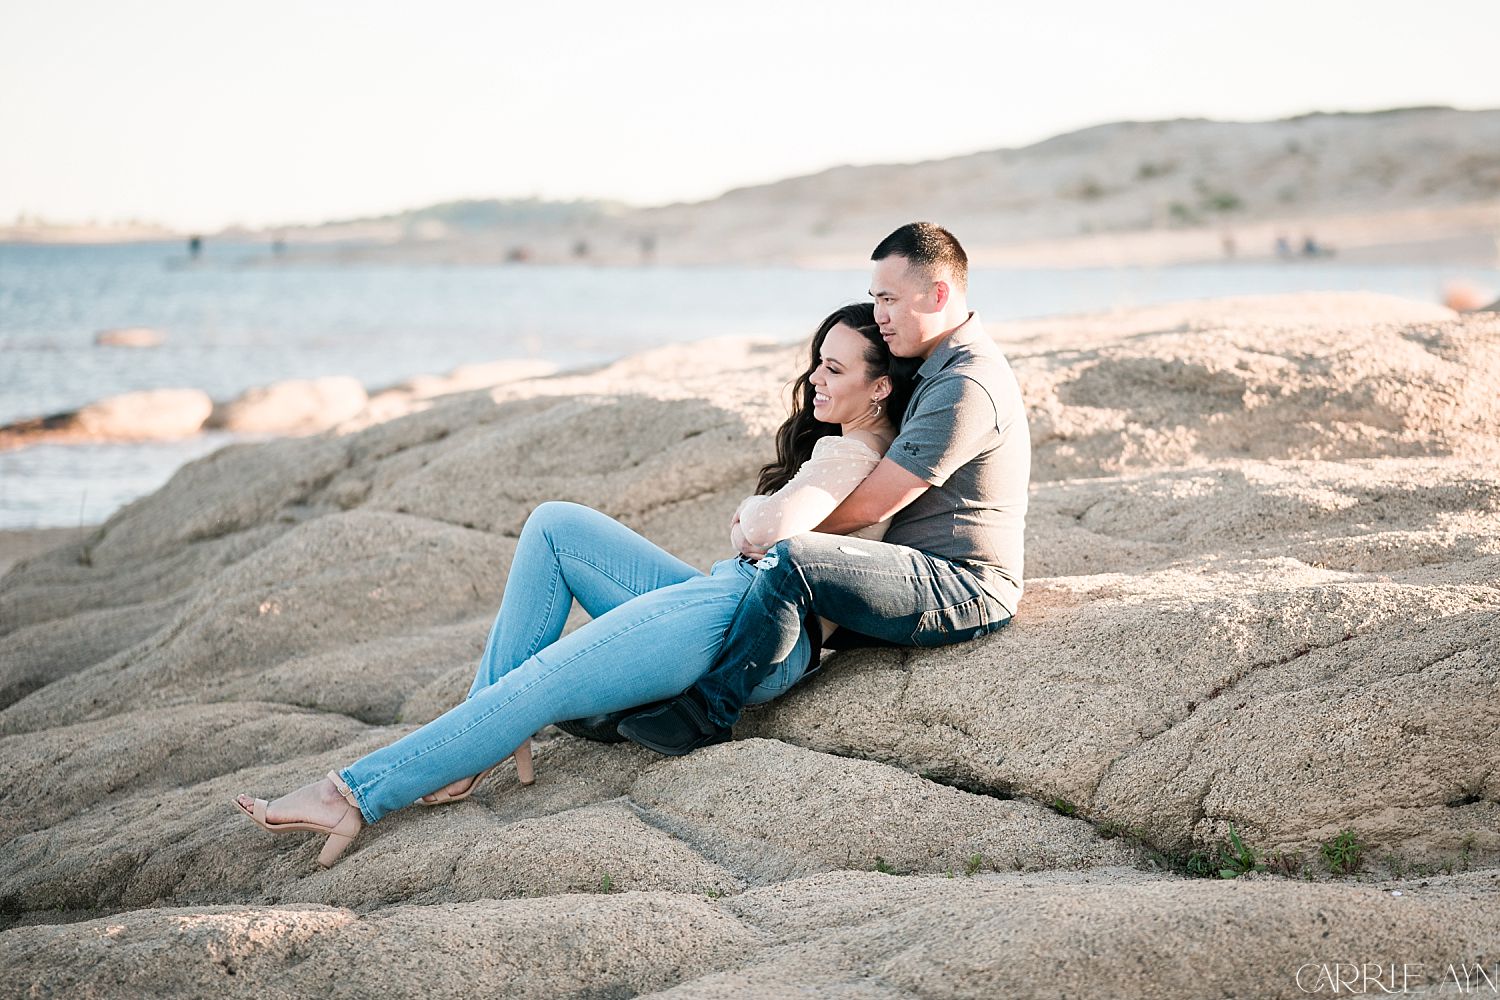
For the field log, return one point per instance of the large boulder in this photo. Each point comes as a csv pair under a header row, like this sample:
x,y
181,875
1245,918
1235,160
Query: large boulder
x,y
846,934
1324,390
1262,600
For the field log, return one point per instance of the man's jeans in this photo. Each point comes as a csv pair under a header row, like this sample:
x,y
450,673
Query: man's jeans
x,y
891,592
657,626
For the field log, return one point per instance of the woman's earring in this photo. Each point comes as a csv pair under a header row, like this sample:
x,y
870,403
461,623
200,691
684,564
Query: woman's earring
x,y
875,408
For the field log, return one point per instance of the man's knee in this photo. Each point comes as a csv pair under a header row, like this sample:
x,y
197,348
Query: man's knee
x,y
791,564
811,553
783,558
803,549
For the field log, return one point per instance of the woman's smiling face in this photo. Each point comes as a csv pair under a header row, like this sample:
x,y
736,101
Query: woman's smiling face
x,y
843,388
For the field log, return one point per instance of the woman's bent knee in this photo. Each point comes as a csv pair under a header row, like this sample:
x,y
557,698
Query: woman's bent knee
x,y
555,510
551,515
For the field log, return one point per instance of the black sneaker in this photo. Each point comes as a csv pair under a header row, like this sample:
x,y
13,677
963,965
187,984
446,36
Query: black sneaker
x,y
676,727
599,728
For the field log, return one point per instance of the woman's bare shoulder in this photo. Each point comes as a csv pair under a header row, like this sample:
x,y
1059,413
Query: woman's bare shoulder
x,y
870,440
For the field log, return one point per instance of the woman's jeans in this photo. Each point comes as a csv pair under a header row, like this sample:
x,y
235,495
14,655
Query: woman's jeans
x,y
657,626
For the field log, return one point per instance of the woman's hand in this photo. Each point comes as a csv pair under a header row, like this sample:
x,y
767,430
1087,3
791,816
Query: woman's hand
x,y
737,539
737,533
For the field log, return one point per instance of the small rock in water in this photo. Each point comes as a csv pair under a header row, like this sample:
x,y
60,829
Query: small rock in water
x,y
130,336
1463,296
295,406
152,414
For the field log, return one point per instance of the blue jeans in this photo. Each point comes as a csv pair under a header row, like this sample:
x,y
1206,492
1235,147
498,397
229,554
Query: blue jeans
x,y
657,625
894,593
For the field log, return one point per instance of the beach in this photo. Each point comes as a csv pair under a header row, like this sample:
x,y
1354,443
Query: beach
x,y
1260,635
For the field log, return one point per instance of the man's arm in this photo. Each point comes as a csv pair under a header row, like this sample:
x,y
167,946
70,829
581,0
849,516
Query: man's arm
x,y
885,491
952,422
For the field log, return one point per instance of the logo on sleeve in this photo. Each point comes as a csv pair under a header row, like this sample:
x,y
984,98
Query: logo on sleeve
x,y
910,447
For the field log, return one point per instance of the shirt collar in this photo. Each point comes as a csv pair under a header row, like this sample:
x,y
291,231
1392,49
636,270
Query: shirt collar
x,y
965,335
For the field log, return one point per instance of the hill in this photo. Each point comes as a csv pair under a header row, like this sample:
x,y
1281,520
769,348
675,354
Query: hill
x,y
1408,185
1411,184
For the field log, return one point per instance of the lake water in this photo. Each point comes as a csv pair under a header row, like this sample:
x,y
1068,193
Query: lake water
x,y
237,318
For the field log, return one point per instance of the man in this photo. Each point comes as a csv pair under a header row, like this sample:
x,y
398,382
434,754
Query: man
x,y
955,479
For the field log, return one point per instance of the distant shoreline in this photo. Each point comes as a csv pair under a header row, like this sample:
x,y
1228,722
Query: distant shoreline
x,y
1374,241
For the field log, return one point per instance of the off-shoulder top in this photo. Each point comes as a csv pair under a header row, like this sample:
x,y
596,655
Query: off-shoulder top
x,y
836,466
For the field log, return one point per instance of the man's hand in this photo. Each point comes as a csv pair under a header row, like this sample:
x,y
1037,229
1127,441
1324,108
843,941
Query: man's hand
x,y
885,491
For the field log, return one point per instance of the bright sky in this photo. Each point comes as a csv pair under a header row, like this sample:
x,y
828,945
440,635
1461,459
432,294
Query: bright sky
x,y
199,114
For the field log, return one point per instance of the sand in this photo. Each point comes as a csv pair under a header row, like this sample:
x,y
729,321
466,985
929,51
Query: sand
x,y
1263,595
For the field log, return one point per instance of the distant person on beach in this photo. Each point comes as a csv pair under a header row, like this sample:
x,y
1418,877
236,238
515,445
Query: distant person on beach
x,y
1312,248
657,622
953,487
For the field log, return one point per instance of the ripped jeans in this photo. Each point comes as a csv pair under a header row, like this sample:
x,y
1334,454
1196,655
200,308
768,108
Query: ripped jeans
x,y
657,626
892,593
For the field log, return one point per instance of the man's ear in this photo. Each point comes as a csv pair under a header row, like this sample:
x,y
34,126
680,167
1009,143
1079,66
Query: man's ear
x,y
940,293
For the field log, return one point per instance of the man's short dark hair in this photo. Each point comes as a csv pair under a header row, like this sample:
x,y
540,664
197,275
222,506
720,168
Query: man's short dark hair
x,y
928,246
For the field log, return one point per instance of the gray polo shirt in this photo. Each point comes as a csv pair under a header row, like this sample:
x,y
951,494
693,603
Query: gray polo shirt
x,y
965,433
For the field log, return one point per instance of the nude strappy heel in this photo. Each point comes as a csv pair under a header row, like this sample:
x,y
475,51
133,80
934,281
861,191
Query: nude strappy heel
x,y
524,772
340,835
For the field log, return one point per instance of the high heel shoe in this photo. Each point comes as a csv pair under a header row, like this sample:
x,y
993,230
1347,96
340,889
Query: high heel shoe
x,y
524,772
340,835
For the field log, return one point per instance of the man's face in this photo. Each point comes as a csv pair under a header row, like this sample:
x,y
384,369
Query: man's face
x,y
906,308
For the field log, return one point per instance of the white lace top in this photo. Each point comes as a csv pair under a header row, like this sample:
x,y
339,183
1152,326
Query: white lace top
x,y
836,466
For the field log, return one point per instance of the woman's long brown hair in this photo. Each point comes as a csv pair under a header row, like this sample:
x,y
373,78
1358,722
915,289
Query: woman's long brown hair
x,y
796,438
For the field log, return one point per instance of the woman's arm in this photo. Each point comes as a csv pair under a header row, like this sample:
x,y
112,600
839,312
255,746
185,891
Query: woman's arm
x,y
836,467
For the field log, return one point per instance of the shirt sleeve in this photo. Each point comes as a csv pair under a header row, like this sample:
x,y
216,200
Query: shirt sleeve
x,y
836,466
954,420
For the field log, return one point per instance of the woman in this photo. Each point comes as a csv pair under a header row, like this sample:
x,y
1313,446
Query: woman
x,y
657,622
